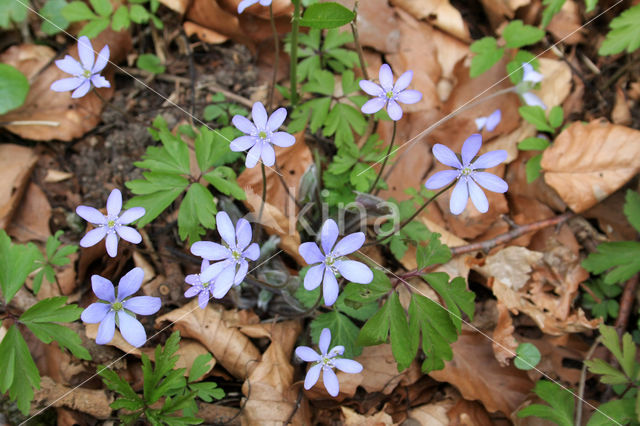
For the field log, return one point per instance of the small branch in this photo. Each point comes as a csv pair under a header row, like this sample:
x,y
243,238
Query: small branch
x,y
356,41
583,379
276,48
626,304
294,52
373,189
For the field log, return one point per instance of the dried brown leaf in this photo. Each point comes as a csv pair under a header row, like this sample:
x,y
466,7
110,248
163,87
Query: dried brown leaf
x,y
440,13
351,418
16,164
504,344
31,221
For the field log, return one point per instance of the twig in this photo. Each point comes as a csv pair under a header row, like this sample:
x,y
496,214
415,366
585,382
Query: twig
x,y
583,379
192,76
626,304
286,187
356,41
373,189
276,48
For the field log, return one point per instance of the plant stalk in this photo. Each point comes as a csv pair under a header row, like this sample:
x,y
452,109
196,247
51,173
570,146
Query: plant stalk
x,y
356,41
384,162
276,48
294,52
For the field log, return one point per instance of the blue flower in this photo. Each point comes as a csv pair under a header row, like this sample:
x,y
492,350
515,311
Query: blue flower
x,y
113,225
260,136
332,262
325,363
469,174
86,73
490,122
389,94
202,289
120,310
232,265
530,78
246,3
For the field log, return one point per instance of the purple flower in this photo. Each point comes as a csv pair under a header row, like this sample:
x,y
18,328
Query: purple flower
x,y
333,261
261,136
202,289
86,73
111,310
232,255
387,94
246,3
112,225
490,122
530,78
325,363
469,174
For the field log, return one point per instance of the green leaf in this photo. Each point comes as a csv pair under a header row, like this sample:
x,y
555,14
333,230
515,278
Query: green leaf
x,y
199,367
342,121
622,257
560,409
632,208
120,19
138,14
455,295
131,400
224,180
610,375
19,374
102,7
433,253
533,167
556,116
552,7
14,87
150,62
326,15
620,411
514,67
322,83
527,356
516,34
154,203
12,11
533,144
623,34
399,334
211,112
197,211
162,379
360,295
78,11
590,5
625,355
207,391
95,27
54,22
343,332
487,54
535,115
16,263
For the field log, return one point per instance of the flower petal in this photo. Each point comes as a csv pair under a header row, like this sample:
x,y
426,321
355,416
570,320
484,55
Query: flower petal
x,y
245,4
310,253
107,329
70,66
130,283
102,60
192,291
447,157
244,125
336,350
128,233
373,105
394,110
459,197
282,139
131,215
259,115
243,233
386,77
312,376
252,252
529,74
103,288
329,235
356,272
131,329
330,380
347,365
441,179
209,250
480,122
93,237
313,278
143,305
203,299
82,90
224,281
277,118
66,84
226,228
491,182
213,271
307,354
349,244
409,97
242,143
268,154
192,279
493,120
533,100
490,159
112,244
324,341
241,273
85,52
253,156
114,203
470,148
478,197
99,81
403,81
95,312
371,88
330,288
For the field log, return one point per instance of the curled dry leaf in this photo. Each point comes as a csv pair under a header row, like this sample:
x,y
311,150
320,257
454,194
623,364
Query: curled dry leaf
x,y
476,373
377,24
469,413
504,344
498,11
205,34
16,164
91,401
232,349
621,114
556,85
587,163
511,265
31,221
351,418
567,23
75,116
439,13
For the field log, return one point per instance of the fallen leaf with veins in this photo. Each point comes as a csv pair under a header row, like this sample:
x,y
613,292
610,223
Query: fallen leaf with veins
x,y
588,162
504,343
31,221
351,418
439,13
511,265
16,164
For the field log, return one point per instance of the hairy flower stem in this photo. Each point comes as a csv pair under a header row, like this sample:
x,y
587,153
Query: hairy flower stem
x,y
294,52
264,191
276,48
356,41
384,162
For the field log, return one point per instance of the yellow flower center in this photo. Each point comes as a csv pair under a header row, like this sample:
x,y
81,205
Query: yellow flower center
x,y
390,94
262,134
111,223
117,306
86,74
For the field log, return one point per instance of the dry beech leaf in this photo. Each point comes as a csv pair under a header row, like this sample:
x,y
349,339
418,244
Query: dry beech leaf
x,y
587,163
55,176
567,23
511,265
504,344
621,113
232,349
31,221
205,34
469,413
498,11
556,84
351,418
439,13
91,401
475,372
76,116
434,414
378,26
16,164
